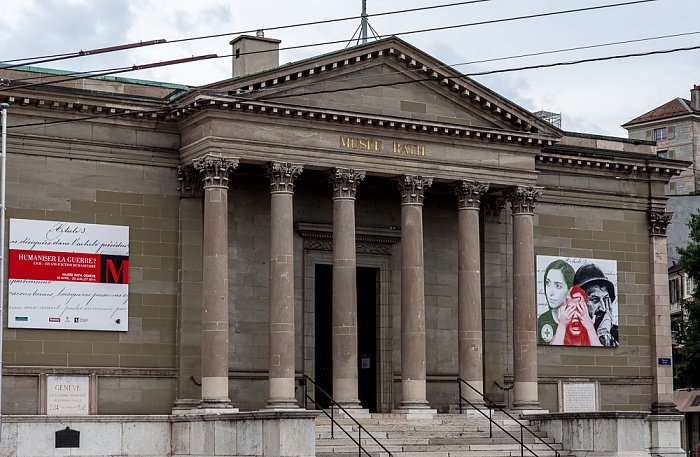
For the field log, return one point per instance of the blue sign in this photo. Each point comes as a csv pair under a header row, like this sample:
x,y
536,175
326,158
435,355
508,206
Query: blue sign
x,y
664,361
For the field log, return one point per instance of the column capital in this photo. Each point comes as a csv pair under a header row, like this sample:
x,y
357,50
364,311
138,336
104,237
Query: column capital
x,y
345,182
469,193
282,176
658,221
189,181
522,198
412,188
214,169
492,207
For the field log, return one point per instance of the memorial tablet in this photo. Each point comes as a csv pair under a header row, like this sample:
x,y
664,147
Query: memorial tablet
x,y
67,395
579,397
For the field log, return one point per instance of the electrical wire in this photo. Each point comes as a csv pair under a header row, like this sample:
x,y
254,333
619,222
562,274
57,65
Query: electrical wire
x,y
434,29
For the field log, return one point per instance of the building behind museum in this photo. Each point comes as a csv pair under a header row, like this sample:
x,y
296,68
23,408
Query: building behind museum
x,y
369,218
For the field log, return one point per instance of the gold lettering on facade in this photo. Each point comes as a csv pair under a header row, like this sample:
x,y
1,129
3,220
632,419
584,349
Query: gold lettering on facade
x,y
374,145
410,149
361,144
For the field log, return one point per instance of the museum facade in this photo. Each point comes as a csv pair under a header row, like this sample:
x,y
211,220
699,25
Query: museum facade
x,y
370,219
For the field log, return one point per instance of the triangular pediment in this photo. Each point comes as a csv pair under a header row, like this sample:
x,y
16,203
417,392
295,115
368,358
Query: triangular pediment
x,y
387,78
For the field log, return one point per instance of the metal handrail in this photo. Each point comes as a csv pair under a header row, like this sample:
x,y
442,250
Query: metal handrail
x,y
493,406
335,422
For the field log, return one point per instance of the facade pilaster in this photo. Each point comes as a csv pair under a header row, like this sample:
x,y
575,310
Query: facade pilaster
x,y
281,326
344,321
522,200
662,392
189,307
470,338
413,341
214,171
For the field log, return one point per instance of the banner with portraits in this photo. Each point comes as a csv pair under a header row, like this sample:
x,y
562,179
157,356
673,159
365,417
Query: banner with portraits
x,y
577,302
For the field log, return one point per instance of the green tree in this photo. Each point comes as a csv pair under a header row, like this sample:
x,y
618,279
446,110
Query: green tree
x,y
687,369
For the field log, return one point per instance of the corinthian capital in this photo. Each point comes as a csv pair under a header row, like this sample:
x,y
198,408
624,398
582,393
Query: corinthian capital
x,y
658,221
492,207
345,182
214,169
189,182
282,176
523,198
413,189
469,193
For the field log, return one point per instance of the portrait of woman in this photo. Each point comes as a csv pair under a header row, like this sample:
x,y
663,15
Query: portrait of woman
x,y
558,281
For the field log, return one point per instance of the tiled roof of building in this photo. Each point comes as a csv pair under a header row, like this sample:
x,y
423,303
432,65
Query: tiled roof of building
x,y
676,107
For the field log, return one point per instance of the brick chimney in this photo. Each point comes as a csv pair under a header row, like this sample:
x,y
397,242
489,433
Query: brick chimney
x,y
254,53
695,98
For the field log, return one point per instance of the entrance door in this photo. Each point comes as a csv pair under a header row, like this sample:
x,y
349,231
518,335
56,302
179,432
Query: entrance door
x,y
366,334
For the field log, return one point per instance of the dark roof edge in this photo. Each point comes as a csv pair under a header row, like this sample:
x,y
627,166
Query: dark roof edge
x,y
567,149
660,119
610,138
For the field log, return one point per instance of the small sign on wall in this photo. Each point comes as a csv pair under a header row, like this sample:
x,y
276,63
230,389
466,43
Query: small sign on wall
x,y
579,397
67,395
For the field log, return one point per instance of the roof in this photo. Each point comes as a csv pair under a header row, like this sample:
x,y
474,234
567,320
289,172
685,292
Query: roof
x,y
687,401
676,107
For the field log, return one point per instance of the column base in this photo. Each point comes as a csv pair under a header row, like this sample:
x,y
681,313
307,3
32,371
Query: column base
x,y
216,406
527,405
664,408
184,406
353,412
665,435
281,405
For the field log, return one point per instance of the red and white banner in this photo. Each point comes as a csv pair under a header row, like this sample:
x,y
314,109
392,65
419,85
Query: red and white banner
x,y
68,276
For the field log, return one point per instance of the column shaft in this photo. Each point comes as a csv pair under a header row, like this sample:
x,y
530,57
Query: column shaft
x,y
524,305
662,391
470,336
281,325
344,321
413,342
215,170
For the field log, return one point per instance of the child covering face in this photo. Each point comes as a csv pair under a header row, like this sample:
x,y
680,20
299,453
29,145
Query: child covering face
x,y
576,326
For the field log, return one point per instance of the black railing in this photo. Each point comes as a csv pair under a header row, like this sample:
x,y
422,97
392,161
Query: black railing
x,y
492,406
334,422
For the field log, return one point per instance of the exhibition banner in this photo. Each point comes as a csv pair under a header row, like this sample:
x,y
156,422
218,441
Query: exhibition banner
x,y
577,302
66,275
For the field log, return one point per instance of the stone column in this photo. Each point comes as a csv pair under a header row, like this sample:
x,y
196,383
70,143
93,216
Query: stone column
x,y
189,297
345,374
522,200
497,285
214,170
469,289
413,350
281,366
662,392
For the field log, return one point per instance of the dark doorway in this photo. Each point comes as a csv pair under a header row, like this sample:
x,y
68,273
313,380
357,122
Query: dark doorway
x,y
367,334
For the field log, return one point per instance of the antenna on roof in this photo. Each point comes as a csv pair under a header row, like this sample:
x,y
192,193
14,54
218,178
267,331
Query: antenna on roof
x,y
361,31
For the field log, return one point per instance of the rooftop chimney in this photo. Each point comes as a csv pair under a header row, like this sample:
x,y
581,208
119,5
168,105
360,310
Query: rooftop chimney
x,y
254,53
695,98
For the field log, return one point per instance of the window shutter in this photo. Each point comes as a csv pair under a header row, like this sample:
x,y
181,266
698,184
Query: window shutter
x,y
671,153
671,132
649,134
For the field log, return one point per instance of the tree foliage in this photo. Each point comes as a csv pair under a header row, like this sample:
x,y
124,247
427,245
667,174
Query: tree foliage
x,y
688,336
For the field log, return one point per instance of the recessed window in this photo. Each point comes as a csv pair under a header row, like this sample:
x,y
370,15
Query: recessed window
x,y
662,154
660,134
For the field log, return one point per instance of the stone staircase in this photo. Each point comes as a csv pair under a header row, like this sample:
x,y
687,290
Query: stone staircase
x,y
443,435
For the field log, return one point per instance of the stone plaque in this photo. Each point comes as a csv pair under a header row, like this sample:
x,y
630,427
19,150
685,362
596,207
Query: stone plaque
x,y
579,397
67,395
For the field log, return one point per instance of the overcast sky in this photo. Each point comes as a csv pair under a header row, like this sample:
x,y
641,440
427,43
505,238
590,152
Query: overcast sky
x,y
592,97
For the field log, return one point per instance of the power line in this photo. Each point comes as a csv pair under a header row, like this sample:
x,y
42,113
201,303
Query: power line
x,y
505,70
53,57
410,32
487,72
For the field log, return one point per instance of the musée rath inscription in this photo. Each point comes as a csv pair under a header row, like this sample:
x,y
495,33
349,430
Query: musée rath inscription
x,y
375,145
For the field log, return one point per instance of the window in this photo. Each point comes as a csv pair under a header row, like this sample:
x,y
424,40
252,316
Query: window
x,y
660,134
662,154
674,292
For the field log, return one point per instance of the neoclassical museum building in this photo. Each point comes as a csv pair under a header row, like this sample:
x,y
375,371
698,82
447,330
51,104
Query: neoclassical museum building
x,y
369,222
